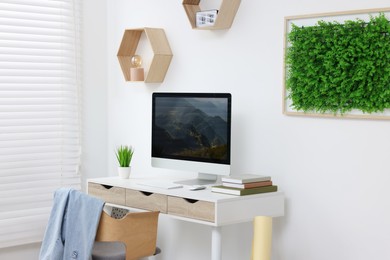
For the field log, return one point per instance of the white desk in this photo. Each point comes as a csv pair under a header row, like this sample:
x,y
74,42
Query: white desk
x,y
203,207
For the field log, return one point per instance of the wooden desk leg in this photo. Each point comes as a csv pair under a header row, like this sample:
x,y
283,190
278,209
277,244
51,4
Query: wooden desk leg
x,y
262,238
216,252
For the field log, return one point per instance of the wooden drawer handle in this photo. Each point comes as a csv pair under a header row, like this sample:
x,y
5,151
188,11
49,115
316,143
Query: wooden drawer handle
x,y
107,187
192,201
147,194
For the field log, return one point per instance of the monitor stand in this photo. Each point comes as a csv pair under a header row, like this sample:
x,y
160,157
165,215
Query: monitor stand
x,y
203,179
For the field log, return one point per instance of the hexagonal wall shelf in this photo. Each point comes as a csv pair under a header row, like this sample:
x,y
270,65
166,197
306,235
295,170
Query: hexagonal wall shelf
x,y
162,54
226,13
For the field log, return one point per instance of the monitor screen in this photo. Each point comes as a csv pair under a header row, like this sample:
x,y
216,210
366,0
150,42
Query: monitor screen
x,y
191,131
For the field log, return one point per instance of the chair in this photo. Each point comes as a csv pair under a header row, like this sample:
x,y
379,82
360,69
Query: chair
x,y
135,235
262,238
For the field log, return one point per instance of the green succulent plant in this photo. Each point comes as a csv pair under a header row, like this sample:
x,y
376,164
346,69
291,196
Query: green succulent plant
x,y
124,154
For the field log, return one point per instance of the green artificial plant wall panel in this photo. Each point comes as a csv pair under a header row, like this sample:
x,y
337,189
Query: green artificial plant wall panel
x,y
340,66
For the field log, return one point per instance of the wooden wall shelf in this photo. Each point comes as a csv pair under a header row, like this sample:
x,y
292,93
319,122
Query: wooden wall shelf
x,y
162,54
226,14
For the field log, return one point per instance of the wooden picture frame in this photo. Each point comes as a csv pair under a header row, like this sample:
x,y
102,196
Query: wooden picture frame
x,y
311,20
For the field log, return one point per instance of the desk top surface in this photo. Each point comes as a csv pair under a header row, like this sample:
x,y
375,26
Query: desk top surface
x,y
205,195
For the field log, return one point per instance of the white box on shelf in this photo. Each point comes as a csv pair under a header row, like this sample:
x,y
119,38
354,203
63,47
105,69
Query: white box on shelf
x,y
206,18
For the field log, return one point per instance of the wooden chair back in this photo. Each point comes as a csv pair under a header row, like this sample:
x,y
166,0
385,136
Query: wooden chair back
x,y
137,230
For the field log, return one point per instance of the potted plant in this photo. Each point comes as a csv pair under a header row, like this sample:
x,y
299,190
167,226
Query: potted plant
x,y
124,154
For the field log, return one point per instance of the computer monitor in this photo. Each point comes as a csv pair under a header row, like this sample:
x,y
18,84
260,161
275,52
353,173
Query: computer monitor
x,y
191,132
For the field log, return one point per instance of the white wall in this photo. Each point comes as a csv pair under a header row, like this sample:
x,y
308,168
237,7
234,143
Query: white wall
x,y
95,69
334,172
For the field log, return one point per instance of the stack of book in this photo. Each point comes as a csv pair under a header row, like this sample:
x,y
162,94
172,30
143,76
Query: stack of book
x,y
245,184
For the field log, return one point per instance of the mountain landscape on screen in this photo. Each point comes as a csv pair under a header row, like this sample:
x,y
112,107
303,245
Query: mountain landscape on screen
x,y
191,127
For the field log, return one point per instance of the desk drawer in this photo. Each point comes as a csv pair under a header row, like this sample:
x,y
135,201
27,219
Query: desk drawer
x,y
146,200
107,193
196,209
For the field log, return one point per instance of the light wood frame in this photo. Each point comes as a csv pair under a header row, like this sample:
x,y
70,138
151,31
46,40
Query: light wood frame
x,y
313,18
162,54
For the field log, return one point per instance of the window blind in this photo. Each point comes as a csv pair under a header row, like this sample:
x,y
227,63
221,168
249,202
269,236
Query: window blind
x,y
39,112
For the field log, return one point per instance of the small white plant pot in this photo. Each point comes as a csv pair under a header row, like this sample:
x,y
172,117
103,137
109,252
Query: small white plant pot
x,y
124,172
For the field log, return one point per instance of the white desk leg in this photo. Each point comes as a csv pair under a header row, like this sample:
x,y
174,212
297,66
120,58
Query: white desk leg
x,y
216,252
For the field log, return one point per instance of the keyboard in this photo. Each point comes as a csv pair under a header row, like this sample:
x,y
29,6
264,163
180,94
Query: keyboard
x,y
160,184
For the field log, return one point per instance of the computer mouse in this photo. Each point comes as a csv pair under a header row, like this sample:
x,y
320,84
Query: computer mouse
x,y
197,187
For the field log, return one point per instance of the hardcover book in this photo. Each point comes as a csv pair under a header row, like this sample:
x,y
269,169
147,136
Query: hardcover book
x,y
247,185
245,178
242,192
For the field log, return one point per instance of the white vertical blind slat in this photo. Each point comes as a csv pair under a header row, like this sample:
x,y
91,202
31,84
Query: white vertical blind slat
x,y
39,112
